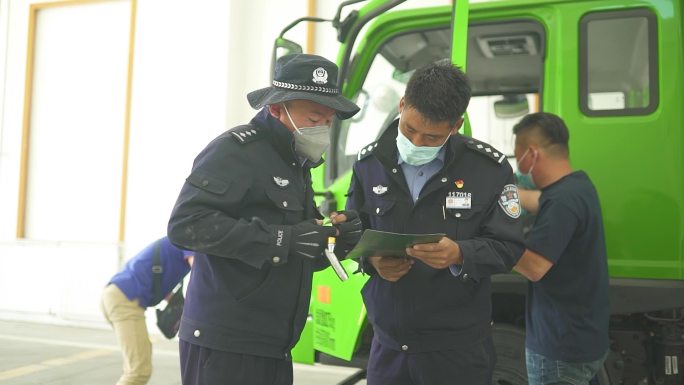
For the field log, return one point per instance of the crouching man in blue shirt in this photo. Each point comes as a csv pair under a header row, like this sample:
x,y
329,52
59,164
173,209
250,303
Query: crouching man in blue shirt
x,y
565,261
130,292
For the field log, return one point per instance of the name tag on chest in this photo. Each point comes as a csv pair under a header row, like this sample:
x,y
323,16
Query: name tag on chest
x,y
458,201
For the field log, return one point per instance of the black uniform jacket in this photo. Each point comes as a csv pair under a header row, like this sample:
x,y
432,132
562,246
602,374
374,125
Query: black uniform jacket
x,y
430,309
245,189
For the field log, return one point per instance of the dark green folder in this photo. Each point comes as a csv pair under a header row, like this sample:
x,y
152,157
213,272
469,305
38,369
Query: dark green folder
x,y
385,244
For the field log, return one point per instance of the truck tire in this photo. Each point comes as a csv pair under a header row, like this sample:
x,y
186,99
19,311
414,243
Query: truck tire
x,y
509,342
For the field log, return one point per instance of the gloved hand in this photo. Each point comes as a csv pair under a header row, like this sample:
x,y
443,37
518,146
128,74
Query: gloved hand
x,y
348,232
308,239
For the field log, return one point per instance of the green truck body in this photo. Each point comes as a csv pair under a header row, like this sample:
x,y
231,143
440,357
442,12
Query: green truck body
x,y
614,71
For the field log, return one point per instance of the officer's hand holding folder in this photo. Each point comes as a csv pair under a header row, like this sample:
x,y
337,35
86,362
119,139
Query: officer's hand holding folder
x,y
385,244
378,243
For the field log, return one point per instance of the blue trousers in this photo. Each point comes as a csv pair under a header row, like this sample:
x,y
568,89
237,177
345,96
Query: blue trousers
x,y
205,366
468,365
542,370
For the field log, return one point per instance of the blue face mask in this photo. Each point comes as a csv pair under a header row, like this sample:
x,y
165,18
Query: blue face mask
x,y
524,181
416,155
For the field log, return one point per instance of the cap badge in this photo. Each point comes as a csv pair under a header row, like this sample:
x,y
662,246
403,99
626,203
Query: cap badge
x,y
281,182
320,76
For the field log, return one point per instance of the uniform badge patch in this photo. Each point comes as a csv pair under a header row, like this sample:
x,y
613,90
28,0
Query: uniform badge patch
x,y
281,182
379,189
320,76
509,201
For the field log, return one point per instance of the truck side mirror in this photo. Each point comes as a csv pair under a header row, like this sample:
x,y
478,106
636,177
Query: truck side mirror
x,y
511,106
282,47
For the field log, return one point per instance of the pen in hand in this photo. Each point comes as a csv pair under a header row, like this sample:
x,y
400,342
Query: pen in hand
x,y
331,244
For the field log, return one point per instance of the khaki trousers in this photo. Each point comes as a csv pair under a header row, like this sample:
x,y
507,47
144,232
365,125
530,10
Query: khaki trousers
x,y
128,320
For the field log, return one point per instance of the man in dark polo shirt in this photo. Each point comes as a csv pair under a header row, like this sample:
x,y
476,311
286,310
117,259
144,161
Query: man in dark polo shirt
x,y
565,261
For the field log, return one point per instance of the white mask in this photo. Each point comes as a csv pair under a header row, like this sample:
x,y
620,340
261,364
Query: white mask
x,y
310,142
527,177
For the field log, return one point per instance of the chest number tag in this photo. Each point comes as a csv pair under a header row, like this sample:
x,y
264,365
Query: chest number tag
x,y
459,200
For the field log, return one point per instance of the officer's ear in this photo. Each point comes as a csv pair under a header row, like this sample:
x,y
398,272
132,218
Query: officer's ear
x,y
457,126
275,110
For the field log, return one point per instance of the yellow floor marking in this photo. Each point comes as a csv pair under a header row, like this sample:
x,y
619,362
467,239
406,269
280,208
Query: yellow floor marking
x,y
21,371
88,354
51,363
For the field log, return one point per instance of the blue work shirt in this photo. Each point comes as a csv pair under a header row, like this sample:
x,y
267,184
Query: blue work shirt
x,y
136,279
417,176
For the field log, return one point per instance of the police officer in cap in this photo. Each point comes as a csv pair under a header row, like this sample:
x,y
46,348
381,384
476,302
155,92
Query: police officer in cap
x,y
248,207
431,309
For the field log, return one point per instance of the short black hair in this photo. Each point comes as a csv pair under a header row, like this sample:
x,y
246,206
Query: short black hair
x,y
439,91
548,128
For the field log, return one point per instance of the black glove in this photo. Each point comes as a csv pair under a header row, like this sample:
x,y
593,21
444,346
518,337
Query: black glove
x,y
349,233
308,240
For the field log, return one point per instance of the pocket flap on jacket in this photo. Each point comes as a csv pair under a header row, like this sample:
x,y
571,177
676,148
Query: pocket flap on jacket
x,y
378,207
284,200
464,214
208,183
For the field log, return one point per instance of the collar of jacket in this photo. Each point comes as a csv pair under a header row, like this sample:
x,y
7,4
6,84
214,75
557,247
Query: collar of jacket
x,y
387,152
280,137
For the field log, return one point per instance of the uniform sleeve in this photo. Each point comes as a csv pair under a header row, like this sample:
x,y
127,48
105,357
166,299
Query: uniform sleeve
x,y
356,201
499,244
205,217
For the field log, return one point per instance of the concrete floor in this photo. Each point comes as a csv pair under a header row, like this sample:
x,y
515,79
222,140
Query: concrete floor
x,y
48,354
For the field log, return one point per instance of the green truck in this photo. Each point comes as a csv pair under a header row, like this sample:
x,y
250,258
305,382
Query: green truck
x,y
614,70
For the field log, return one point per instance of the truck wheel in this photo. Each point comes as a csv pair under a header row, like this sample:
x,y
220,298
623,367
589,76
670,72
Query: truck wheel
x,y
509,342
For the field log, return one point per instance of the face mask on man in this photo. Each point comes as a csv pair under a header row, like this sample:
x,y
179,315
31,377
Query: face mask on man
x,y
310,142
416,155
525,179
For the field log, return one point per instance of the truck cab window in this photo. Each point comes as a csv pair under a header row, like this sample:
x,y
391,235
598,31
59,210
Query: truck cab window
x,y
618,68
384,86
505,67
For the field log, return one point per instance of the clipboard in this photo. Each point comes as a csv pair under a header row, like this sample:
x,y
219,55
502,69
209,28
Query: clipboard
x,y
386,244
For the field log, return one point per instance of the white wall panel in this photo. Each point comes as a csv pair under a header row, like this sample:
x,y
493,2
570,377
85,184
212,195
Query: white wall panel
x,y
77,122
179,103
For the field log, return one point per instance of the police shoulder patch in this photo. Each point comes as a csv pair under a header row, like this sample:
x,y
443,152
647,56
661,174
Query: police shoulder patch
x,y
366,150
485,149
510,201
246,134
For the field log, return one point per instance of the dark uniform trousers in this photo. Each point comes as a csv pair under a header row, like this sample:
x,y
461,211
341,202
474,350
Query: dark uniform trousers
x,y
432,327
467,365
205,366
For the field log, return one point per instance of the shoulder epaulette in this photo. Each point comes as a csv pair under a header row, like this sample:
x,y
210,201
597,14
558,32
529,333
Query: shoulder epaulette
x,y
485,149
246,134
366,150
